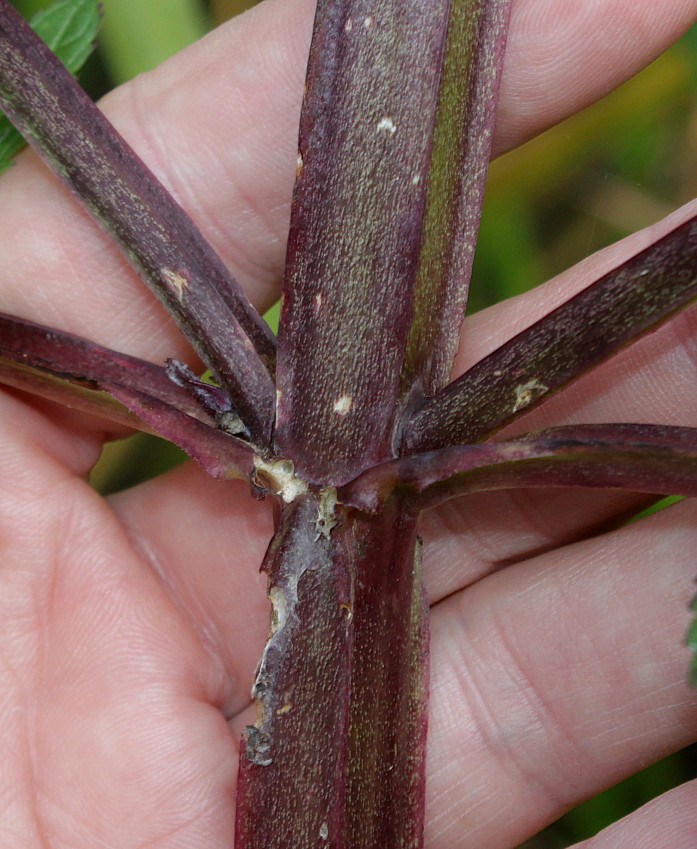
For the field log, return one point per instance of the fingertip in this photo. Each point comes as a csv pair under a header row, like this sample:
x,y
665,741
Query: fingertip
x,y
563,56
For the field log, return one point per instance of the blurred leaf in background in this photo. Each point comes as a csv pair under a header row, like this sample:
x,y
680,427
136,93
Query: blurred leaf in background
x,y
136,35
224,9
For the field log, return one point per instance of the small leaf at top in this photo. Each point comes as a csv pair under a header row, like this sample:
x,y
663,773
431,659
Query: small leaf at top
x,y
69,28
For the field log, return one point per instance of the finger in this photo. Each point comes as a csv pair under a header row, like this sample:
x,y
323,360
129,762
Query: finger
x,y
664,823
108,717
466,539
218,125
563,56
557,678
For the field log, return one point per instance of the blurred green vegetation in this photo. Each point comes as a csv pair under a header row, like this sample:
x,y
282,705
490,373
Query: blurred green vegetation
x,y
136,36
610,170
616,167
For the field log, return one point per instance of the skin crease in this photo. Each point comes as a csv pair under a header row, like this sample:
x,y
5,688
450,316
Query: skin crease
x,y
129,629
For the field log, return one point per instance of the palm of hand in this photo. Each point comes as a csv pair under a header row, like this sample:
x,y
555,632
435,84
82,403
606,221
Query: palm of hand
x,y
130,629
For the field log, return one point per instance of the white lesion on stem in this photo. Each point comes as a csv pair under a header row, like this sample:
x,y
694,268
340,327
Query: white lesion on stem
x,y
281,478
387,125
526,393
326,513
177,283
343,405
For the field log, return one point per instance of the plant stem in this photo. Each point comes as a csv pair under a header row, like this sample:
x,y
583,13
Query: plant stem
x,y
336,757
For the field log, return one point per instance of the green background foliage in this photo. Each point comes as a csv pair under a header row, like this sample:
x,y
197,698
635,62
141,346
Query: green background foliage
x,y
614,168
69,27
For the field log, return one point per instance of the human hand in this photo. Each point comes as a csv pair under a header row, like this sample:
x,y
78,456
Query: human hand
x,y
131,627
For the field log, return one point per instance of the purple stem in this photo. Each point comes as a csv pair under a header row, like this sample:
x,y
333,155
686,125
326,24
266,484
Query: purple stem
x,y
50,109
656,459
595,324
77,372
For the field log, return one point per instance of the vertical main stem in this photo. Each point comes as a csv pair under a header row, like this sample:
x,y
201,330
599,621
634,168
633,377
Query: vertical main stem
x,y
336,757
389,686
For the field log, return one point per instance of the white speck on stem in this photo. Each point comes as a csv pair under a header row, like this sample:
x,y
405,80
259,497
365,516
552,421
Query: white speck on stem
x,y
318,301
175,282
368,22
526,393
324,831
281,477
348,26
387,125
343,405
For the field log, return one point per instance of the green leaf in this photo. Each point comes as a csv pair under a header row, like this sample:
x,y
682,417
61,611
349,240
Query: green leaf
x,y
691,640
11,142
69,28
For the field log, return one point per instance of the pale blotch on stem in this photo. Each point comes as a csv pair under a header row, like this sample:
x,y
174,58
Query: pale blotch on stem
x,y
343,405
286,707
281,479
279,608
326,518
387,125
526,393
175,282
